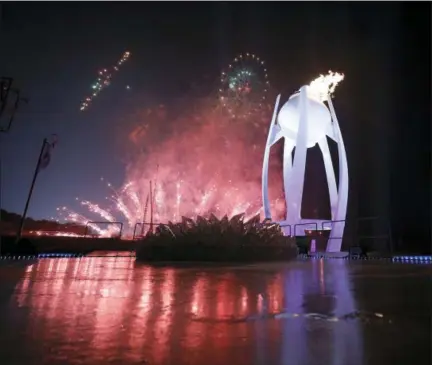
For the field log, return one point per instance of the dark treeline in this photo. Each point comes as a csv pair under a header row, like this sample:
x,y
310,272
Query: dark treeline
x,y
10,222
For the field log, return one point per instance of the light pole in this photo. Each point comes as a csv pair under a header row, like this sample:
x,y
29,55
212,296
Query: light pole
x,y
35,175
42,162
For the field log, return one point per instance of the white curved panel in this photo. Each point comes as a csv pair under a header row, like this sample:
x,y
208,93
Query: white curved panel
x,y
330,174
336,234
295,180
265,197
287,167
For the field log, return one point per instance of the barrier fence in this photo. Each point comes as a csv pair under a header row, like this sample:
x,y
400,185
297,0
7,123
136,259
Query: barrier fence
x,y
378,229
305,224
287,226
141,230
357,238
312,229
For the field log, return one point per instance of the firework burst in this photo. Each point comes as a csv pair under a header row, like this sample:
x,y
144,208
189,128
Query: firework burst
x,y
103,81
244,86
200,162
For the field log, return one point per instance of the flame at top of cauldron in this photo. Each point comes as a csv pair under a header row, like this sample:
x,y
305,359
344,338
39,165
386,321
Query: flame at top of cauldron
x,y
324,86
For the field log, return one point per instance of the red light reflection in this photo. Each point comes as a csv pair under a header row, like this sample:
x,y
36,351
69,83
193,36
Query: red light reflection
x,y
112,308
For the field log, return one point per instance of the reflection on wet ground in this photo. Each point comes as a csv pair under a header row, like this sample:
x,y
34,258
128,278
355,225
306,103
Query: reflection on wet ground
x,y
106,310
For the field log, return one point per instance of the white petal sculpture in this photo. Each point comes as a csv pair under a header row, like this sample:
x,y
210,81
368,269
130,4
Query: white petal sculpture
x,y
304,121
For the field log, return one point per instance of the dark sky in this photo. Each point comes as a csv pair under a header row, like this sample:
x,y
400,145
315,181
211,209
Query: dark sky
x,y
53,49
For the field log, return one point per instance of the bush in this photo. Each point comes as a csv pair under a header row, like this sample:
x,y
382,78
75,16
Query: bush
x,y
217,240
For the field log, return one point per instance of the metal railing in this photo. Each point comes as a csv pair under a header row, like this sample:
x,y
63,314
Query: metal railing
x,y
138,224
151,225
314,229
323,227
355,237
331,223
305,224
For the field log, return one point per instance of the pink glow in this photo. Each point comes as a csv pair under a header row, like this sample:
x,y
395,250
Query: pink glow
x,y
200,161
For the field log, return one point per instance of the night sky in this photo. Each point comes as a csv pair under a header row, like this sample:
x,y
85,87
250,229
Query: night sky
x,y
54,49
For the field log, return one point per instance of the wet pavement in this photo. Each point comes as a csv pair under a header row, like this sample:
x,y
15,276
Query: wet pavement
x,y
107,310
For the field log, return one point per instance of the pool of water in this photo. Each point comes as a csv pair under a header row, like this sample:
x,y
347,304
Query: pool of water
x,y
112,310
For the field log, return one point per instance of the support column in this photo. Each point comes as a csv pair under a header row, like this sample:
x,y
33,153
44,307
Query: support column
x,y
287,169
294,182
330,174
335,240
264,183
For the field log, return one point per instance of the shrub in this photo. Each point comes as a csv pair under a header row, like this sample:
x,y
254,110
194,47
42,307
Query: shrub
x,y
216,239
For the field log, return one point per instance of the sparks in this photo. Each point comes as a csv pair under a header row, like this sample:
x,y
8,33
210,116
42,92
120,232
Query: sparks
x,y
217,172
129,205
244,86
103,81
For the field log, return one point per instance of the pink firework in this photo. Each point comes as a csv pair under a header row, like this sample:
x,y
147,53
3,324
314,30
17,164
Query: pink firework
x,y
200,161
